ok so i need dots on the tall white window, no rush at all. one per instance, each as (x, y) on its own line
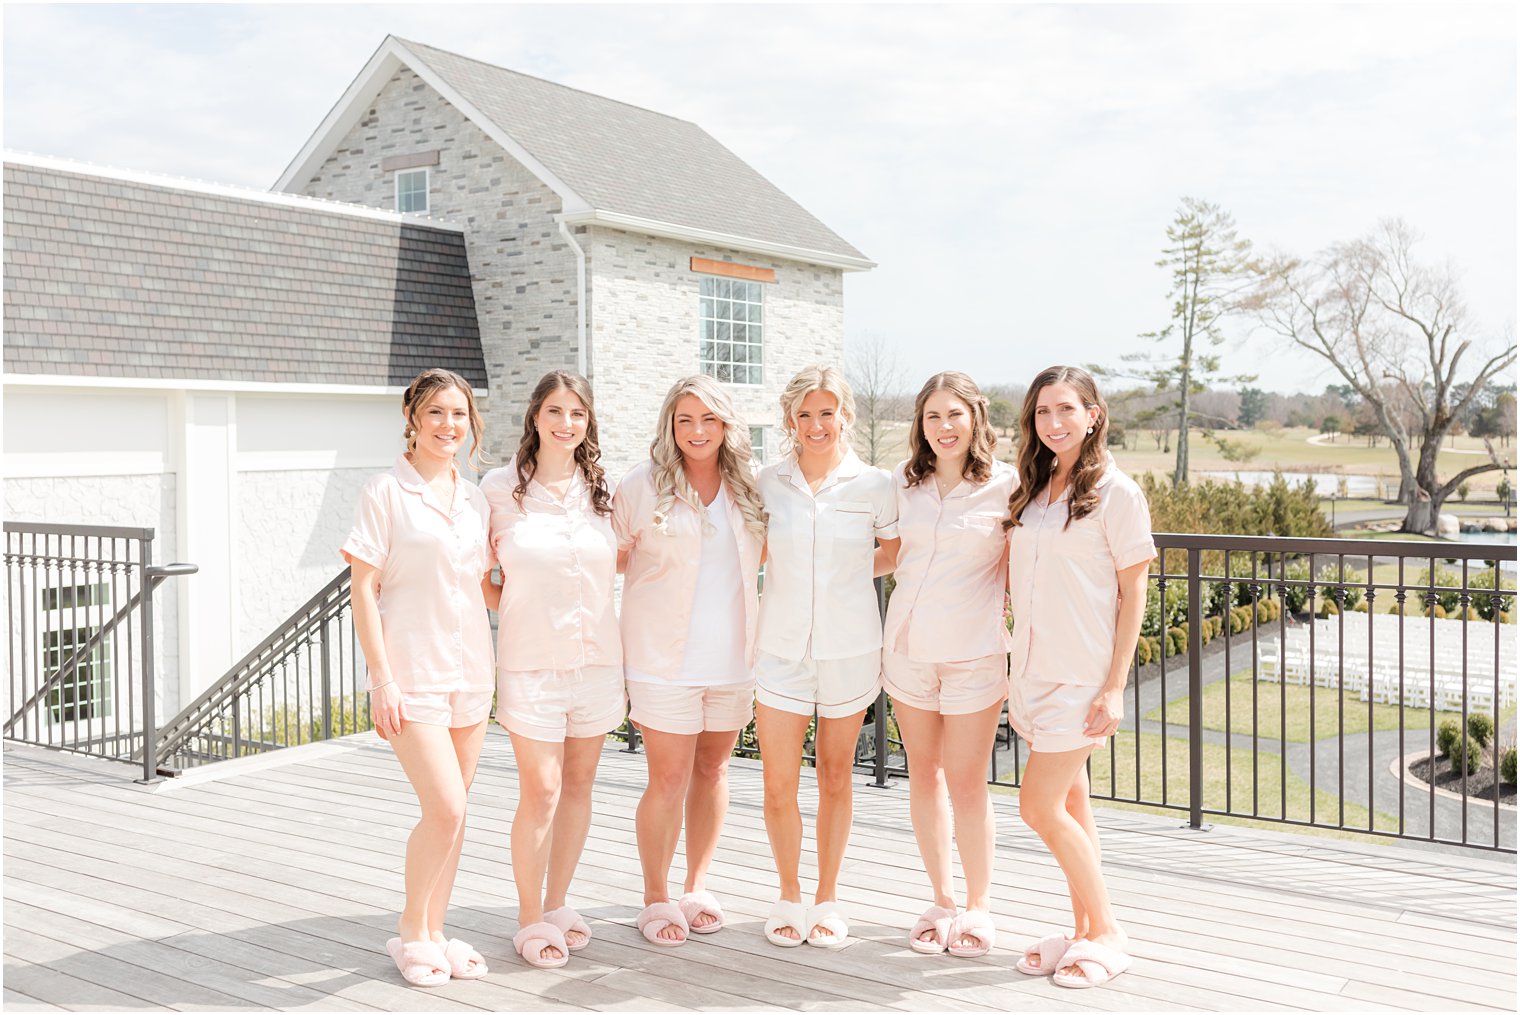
(731, 326)
(71, 616)
(412, 191)
(757, 443)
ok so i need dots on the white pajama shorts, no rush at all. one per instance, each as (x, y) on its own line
(833, 688)
(556, 705)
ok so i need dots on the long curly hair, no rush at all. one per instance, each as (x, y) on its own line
(588, 453)
(423, 389)
(735, 458)
(1037, 462)
(979, 451)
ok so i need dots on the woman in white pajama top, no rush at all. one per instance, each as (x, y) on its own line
(559, 658)
(1079, 549)
(820, 639)
(945, 657)
(690, 529)
(419, 558)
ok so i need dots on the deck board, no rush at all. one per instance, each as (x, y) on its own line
(275, 886)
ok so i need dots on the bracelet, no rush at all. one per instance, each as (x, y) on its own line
(378, 686)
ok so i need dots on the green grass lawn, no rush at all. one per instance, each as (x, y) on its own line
(1272, 791)
(1269, 711)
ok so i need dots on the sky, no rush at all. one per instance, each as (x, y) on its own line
(1011, 168)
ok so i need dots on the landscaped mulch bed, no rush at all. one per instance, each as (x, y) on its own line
(1480, 784)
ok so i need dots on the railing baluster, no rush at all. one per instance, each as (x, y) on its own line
(1195, 691)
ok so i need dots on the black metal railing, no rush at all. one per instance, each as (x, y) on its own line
(303, 683)
(80, 638)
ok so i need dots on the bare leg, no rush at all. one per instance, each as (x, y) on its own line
(706, 806)
(968, 745)
(572, 820)
(467, 741)
(657, 823)
(539, 766)
(928, 798)
(781, 735)
(1048, 781)
(835, 743)
(427, 757)
(1079, 806)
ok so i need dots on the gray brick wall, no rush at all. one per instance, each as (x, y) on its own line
(522, 269)
(642, 313)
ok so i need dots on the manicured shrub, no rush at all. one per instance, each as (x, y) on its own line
(1176, 641)
(1438, 611)
(1216, 626)
(1446, 736)
(1467, 755)
(1143, 651)
(1507, 766)
(1480, 726)
(1359, 608)
(1206, 632)
(1327, 607)
(1155, 644)
(1506, 617)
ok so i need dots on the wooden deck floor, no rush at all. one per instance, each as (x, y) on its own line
(275, 886)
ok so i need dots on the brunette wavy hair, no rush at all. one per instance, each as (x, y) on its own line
(735, 458)
(979, 457)
(1037, 462)
(588, 453)
(421, 392)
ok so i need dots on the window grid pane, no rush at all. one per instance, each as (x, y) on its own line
(731, 345)
(412, 191)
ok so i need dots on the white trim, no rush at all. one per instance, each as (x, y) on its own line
(306, 461)
(582, 354)
(66, 465)
(227, 190)
(195, 384)
(651, 227)
(391, 56)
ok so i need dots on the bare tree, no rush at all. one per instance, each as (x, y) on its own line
(1396, 330)
(876, 375)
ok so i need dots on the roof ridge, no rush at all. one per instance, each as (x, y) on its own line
(556, 84)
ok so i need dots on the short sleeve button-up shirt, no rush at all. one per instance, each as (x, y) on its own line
(1064, 581)
(558, 566)
(431, 558)
(947, 604)
(819, 597)
(661, 580)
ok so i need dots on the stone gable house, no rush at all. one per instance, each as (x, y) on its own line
(224, 365)
(618, 242)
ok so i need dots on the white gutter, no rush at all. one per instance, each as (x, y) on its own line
(651, 227)
(582, 354)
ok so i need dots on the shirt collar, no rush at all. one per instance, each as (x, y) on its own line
(848, 468)
(573, 492)
(412, 482)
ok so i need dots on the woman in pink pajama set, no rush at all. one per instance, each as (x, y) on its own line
(691, 529)
(419, 556)
(945, 655)
(1079, 548)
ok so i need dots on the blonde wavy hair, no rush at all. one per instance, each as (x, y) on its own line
(819, 377)
(735, 459)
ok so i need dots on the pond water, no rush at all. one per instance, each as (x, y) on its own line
(1506, 538)
(1325, 483)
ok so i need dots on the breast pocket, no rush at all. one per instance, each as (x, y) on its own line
(853, 520)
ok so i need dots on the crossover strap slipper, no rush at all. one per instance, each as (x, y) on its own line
(1099, 964)
(977, 925)
(786, 914)
(1048, 951)
(569, 922)
(656, 917)
(695, 904)
(421, 963)
(464, 961)
(536, 938)
(937, 919)
(828, 916)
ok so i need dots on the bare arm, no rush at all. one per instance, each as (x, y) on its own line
(491, 592)
(885, 561)
(385, 697)
(1108, 707)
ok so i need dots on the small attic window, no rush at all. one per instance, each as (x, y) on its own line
(412, 191)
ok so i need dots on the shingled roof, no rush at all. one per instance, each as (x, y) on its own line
(609, 162)
(109, 276)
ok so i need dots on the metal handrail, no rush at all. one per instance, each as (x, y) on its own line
(287, 637)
